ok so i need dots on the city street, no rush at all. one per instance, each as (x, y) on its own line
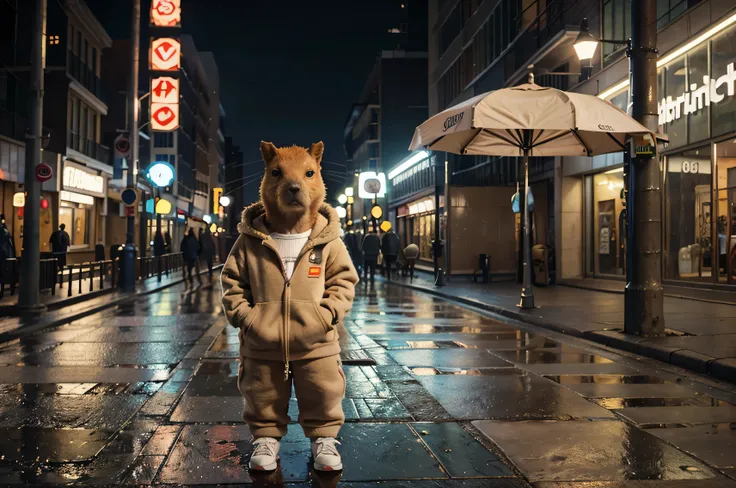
(437, 395)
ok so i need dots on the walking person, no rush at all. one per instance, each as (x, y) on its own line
(371, 248)
(207, 251)
(411, 253)
(167, 243)
(190, 253)
(7, 251)
(60, 246)
(390, 244)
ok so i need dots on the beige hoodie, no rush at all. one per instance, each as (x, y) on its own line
(282, 319)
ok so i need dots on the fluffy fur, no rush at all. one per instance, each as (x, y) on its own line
(292, 189)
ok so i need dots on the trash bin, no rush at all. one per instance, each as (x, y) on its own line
(540, 264)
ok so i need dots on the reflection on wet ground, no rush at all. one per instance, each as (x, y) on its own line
(147, 394)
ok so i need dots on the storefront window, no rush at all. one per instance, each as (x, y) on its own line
(689, 247)
(74, 217)
(726, 216)
(723, 57)
(608, 223)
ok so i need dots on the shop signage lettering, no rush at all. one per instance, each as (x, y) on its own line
(452, 121)
(691, 167)
(81, 180)
(712, 91)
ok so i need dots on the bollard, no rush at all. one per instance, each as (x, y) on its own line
(71, 269)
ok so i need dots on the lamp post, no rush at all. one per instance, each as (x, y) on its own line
(643, 304)
(437, 244)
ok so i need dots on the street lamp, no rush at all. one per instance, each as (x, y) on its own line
(341, 212)
(586, 44)
(342, 199)
(226, 200)
(349, 192)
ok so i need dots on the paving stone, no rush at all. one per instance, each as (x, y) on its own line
(709, 483)
(578, 369)
(542, 356)
(110, 354)
(598, 390)
(138, 334)
(379, 452)
(217, 454)
(78, 374)
(418, 401)
(715, 444)
(460, 454)
(508, 396)
(144, 470)
(458, 358)
(483, 483)
(387, 409)
(679, 415)
(70, 411)
(593, 451)
(27, 444)
(162, 440)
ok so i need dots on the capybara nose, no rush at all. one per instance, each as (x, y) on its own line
(294, 189)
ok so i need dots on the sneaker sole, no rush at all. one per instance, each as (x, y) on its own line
(327, 467)
(267, 467)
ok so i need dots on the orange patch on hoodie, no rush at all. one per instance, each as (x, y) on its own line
(314, 271)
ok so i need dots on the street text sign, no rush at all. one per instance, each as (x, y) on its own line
(165, 54)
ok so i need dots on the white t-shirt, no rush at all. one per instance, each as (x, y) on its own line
(289, 246)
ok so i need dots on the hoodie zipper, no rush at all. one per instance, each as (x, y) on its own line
(287, 299)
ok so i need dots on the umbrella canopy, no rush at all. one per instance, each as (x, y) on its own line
(543, 121)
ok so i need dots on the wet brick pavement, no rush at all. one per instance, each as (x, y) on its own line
(437, 396)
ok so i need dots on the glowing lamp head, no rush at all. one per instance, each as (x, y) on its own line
(226, 200)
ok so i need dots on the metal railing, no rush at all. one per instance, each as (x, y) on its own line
(88, 147)
(10, 275)
(159, 266)
(87, 277)
(85, 75)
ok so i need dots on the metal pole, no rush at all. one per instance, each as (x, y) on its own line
(127, 261)
(520, 234)
(28, 299)
(439, 177)
(527, 293)
(644, 314)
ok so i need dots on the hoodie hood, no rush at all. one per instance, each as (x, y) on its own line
(326, 229)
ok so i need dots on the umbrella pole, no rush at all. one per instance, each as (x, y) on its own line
(527, 293)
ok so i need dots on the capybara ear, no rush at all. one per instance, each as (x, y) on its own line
(268, 151)
(316, 150)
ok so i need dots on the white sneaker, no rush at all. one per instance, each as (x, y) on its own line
(326, 457)
(265, 454)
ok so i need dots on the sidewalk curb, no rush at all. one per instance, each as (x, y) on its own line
(723, 369)
(125, 297)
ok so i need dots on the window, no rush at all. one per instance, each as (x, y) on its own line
(668, 10)
(689, 247)
(608, 223)
(163, 139)
(616, 23)
(74, 217)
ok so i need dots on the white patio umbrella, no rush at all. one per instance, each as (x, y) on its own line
(528, 120)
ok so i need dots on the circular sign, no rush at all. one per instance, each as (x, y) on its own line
(372, 185)
(43, 172)
(122, 146)
(161, 174)
(376, 212)
(129, 196)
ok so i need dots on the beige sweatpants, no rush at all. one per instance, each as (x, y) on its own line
(320, 388)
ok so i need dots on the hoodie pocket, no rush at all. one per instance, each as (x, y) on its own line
(263, 332)
(309, 327)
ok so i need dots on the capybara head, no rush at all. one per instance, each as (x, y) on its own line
(292, 189)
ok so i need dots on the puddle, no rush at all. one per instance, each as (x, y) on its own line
(464, 371)
(606, 379)
(618, 403)
(552, 357)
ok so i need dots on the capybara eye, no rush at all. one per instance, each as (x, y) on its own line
(310, 173)
(275, 173)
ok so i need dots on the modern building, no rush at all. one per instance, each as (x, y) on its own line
(379, 127)
(478, 46)
(73, 108)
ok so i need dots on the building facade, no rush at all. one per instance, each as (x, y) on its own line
(477, 46)
(697, 110)
(73, 109)
(379, 127)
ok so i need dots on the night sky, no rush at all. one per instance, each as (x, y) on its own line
(289, 69)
